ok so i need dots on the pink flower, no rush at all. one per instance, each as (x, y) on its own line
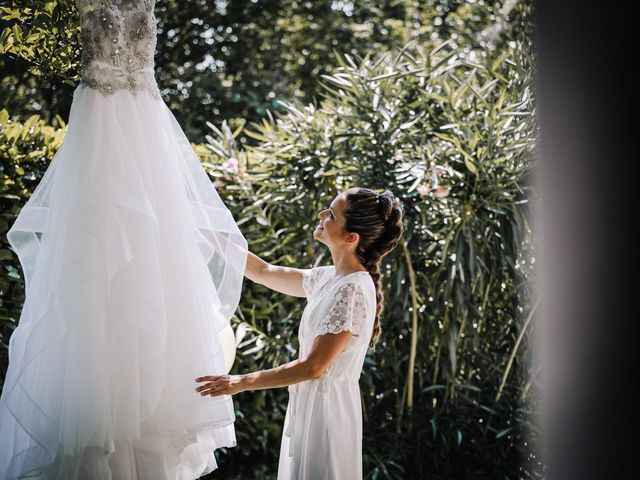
(217, 184)
(441, 192)
(231, 165)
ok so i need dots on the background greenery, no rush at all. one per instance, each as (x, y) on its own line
(289, 103)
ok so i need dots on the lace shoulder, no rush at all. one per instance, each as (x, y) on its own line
(347, 311)
(311, 277)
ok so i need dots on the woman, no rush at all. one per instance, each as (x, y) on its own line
(323, 426)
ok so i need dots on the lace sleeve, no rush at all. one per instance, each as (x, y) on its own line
(347, 311)
(309, 277)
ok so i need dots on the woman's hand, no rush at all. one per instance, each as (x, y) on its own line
(217, 385)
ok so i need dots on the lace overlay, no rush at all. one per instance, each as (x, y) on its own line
(307, 281)
(118, 44)
(347, 312)
(310, 278)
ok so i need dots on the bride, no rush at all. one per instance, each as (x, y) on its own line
(322, 436)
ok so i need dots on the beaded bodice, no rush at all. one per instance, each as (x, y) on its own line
(118, 44)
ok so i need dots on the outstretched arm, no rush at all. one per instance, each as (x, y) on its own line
(324, 351)
(281, 279)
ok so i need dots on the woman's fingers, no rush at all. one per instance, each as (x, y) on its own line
(208, 378)
(214, 391)
(207, 386)
(213, 387)
(216, 385)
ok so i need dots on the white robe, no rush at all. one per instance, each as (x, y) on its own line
(322, 436)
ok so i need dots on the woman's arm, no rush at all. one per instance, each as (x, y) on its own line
(281, 279)
(324, 351)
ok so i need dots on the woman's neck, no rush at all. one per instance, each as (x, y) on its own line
(346, 263)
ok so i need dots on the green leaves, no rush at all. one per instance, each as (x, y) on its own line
(44, 35)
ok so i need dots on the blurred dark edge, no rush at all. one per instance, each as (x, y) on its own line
(588, 240)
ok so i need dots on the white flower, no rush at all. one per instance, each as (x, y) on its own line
(424, 190)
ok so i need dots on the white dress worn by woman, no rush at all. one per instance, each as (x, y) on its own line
(322, 438)
(132, 266)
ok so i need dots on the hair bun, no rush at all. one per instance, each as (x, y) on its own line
(389, 205)
(383, 200)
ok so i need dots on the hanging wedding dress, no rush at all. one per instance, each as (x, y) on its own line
(132, 267)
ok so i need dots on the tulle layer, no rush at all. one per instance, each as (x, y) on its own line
(132, 266)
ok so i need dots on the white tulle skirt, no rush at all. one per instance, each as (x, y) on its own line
(132, 266)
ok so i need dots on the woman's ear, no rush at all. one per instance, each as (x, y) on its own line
(352, 238)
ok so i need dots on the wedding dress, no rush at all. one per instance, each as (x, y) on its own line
(322, 438)
(132, 267)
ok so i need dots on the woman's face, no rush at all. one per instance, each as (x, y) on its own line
(330, 229)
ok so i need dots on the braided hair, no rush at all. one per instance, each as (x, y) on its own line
(377, 219)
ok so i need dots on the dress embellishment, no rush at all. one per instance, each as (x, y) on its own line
(118, 46)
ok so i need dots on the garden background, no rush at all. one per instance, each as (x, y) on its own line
(288, 103)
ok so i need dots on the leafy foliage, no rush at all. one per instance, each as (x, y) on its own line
(42, 34)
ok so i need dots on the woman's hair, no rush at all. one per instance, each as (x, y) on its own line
(377, 218)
